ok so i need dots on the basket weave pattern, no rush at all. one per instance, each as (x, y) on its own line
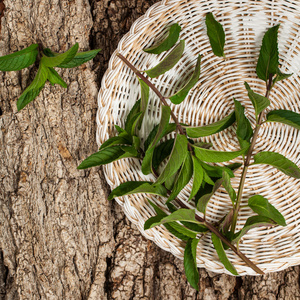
(273, 248)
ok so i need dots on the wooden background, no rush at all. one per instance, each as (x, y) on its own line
(59, 236)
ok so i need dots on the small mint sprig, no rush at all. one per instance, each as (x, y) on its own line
(49, 60)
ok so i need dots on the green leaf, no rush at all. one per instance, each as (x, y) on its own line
(49, 53)
(170, 181)
(104, 156)
(262, 207)
(183, 177)
(217, 156)
(169, 62)
(121, 139)
(132, 117)
(207, 179)
(259, 102)
(175, 228)
(180, 215)
(228, 187)
(176, 159)
(205, 193)
(195, 227)
(215, 34)
(163, 126)
(32, 91)
(252, 222)
(196, 132)
(280, 76)
(278, 161)
(59, 59)
(19, 60)
(54, 78)
(137, 187)
(168, 42)
(129, 150)
(222, 254)
(244, 130)
(79, 59)
(144, 100)
(161, 152)
(183, 231)
(215, 171)
(132, 124)
(136, 142)
(119, 129)
(198, 175)
(285, 117)
(168, 129)
(268, 57)
(190, 265)
(181, 94)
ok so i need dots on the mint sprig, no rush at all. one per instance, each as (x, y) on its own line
(177, 159)
(28, 56)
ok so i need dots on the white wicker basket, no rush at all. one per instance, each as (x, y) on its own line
(245, 22)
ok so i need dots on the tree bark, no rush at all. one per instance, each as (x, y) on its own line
(59, 236)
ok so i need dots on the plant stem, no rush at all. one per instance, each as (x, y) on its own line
(153, 87)
(247, 161)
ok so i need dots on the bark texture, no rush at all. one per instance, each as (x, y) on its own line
(59, 236)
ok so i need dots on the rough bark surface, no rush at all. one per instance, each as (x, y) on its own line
(59, 236)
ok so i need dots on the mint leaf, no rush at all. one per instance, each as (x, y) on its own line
(168, 42)
(252, 222)
(285, 117)
(144, 100)
(190, 264)
(161, 129)
(215, 34)
(176, 158)
(259, 102)
(137, 187)
(217, 156)
(264, 208)
(206, 130)
(195, 227)
(32, 91)
(175, 228)
(198, 175)
(79, 59)
(244, 130)
(169, 62)
(182, 230)
(180, 215)
(228, 187)
(183, 177)
(168, 129)
(135, 110)
(59, 59)
(19, 60)
(278, 161)
(280, 76)
(222, 254)
(268, 57)
(181, 94)
(105, 156)
(161, 152)
(122, 139)
(54, 78)
(205, 193)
